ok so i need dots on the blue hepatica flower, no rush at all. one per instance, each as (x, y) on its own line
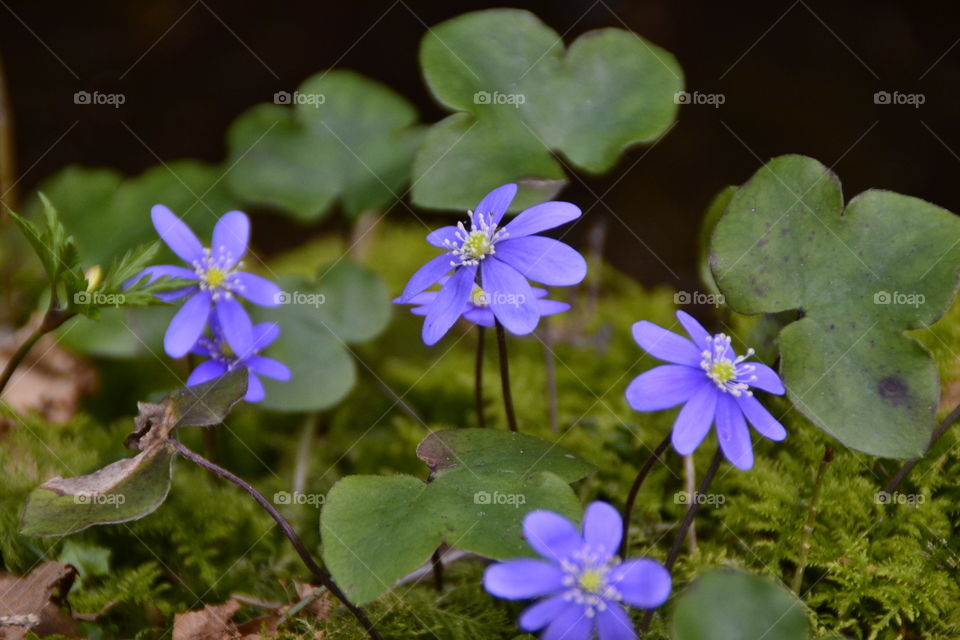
(583, 584)
(712, 383)
(224, 358)
(499, 259)
(477, 307)
(218, 281)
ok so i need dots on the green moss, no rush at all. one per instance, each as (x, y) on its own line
(876, 571)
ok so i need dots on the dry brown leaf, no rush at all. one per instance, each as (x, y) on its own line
(321, 606)
(50, 381)
(215, 622)
(26, 603)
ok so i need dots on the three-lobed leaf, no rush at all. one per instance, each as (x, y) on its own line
(482, 483)
(346, 137)
(858, 278)
(520, 98)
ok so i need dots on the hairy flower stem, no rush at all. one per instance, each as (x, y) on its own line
(910, 464)
(478, 378)
(635, 489)
(319, 574)
(52, 319)
(812, 509)
(689, 487)
(685, 524)
(505, 377)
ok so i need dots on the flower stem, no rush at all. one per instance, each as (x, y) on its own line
(635, 489)
(51, 320)
(689, 487)
(685, 524)
(910, 464)
(811, 520)
(319, 574)
(437, 562)
(505, 377)
(478, 378)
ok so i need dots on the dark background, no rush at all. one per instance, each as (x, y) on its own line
(797, 78)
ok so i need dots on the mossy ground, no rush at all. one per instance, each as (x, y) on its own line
(875, 571)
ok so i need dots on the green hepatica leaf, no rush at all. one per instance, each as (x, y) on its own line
(347, 303)
(345, 136)
(483, 482)
(109, 214)
(131, 488)
(859, 277)
(523, 97)
(730, 605)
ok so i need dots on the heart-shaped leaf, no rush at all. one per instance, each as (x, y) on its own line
(525, 98)
(131, 488)
(482, 484)
(345, 137)
(858, 278)
(347, 303)
(731, 605)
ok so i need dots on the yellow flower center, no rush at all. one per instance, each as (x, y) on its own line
(478, 297)
(477, 245)
(216, 277)
(723, 371)
(591, 581)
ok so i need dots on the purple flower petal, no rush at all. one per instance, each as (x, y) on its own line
(257, 290)
(522, 579)
(602, 528)
(448, 305)
(664, 387)
(643, 583)
(541, 217)
(543, 260)
(496, 203)
(613, 623)
(767, 379)
(551, 307)
(156, 272)
(422, 298)
(694, 420)
(480, 316)
(571, 624)
(733, 434)
(265, 334)
(439, 237)
(427, 275)
(765, 424)
(510, 297)
(695, 330)
(255, 391)
(539, 615)
(551, 535)
(420, 311)
(230, 237)
(187, 326)
(176, 234)
(205, 372)
(268, 367)
(236, 326)
(176, 294)
(666, 345)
